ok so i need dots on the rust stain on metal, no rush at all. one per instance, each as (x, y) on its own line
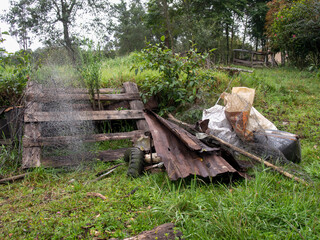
(187, 138)
(180, 152)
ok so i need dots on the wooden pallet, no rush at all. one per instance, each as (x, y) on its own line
(37, 96)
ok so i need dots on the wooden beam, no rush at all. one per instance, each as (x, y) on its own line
(31, 156)
(131, 87)
(54, 97)
(83, 116)
(76, 159)
(111, 155)
(119, 97)
(83, 90)
(65, 140)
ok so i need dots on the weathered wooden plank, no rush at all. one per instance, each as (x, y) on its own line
(248, 63)
(83, 90)
(64, 140)
(119, 97)
(83, 116)
(111, 155)
(53, 97)
(72, 160)
(131, 87)
(63, 161)
(31, 156)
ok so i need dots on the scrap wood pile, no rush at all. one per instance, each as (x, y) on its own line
(212, 147)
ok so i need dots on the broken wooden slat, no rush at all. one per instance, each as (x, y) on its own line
(83, 116)
(131, 87)
(64, 140)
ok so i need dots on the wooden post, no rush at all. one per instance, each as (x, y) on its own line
(31, 155)
(131, 87)
(251, 59)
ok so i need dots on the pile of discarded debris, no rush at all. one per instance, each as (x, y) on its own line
(211, 148)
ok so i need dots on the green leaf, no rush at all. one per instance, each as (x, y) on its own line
(163, 38)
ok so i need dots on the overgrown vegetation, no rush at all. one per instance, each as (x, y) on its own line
(292, 27)
(54, 203)
(14, 74)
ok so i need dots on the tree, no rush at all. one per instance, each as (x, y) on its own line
(295, 28)
(131, 30)
(160, 18)
(257, 10)
(54, 20)
(220, 17)
(19, 20)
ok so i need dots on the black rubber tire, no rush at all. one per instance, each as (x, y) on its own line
(136, 162)
(127, 155)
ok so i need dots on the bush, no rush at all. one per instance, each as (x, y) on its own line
(177, 83)
(14, 74)
(295, 29)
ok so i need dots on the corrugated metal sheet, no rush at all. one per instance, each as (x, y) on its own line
(182, 153)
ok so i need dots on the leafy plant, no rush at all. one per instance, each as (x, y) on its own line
(90, 70)
(294, 28)
(14, 74)
(178, 82)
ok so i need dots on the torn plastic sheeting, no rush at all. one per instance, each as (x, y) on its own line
(179, 160)
(220, 126)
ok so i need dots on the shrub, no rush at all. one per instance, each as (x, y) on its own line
(177, 83)
(14, 74)
(295, 29)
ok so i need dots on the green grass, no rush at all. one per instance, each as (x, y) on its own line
(53, 203)
(119, 70)
(48, 205)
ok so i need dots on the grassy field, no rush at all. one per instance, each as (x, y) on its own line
(53, 203)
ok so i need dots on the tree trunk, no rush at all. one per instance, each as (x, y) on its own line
(167, 20)
(231, 43)
(67, 40)
(244, 32)
(227, 39)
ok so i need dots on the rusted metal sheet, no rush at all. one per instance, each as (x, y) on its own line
(187, 138)
(183, 157)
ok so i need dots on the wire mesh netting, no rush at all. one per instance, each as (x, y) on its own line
(60, 98)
